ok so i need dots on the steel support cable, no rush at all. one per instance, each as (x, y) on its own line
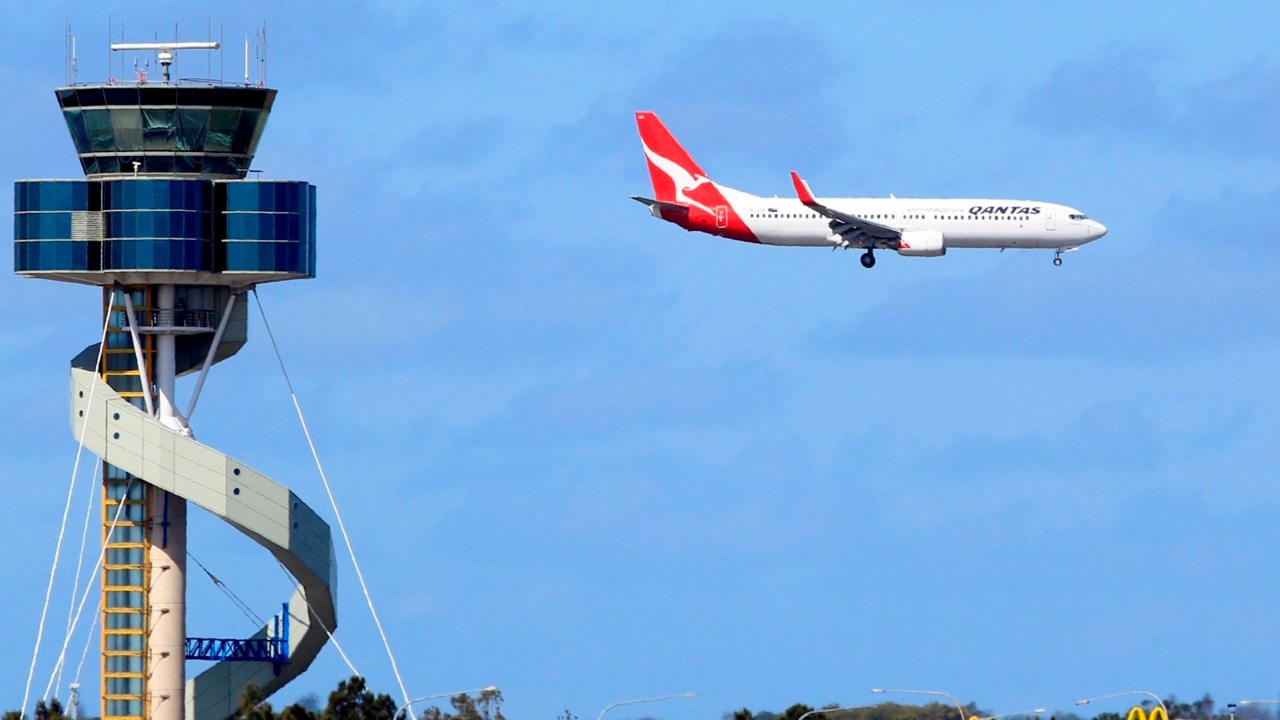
(66, 510)
(84, 542)
(316, 616)
(88, 641)
(337, 514)
(85, 597)
(241, 605)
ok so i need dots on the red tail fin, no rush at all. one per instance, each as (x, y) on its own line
(670, 167)
(685, 195)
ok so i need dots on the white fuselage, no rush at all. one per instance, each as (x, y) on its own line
(964, 222)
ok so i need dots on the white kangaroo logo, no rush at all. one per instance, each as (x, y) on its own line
(683, 180)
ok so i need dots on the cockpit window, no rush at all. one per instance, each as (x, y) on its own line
(1079, 217)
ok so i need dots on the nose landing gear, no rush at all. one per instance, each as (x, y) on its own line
(1057, 258)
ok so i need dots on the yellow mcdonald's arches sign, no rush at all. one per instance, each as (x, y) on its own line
(1157, 713)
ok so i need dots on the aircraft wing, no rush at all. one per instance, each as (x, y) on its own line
(853, 222)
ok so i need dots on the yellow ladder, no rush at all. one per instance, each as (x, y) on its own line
(125, 575)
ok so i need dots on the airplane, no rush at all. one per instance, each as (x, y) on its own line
(914, 227)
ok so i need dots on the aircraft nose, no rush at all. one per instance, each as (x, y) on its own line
(1098, 229)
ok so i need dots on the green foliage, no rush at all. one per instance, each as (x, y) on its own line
(485, 706)
(795, 711)
(253, 705)
(352, 700)
(52, 711)
(883, 711)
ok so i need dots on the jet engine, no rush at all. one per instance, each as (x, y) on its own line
(922, 243)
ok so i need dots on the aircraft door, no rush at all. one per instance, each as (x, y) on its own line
(1050, 223)
(722, 216)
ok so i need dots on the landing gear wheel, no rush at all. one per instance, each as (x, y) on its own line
(1057, 262)
(868, 260)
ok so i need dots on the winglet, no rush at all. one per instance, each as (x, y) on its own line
(802, 190)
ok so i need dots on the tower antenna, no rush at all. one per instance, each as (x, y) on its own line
(164, 51)
(262, 71)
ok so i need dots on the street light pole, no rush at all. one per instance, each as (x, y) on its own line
(938, 693)
(607, 708)
(483, 690)
(1148, 693)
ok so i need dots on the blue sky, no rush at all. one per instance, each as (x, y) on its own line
(589, 457)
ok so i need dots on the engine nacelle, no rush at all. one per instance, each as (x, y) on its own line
(922, 243)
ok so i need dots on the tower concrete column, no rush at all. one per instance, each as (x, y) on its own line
(167, 624)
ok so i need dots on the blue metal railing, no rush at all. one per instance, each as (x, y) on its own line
(274, 649)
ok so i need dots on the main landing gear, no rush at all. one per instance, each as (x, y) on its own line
(868, 259)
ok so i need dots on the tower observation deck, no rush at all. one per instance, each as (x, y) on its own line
(166, 223)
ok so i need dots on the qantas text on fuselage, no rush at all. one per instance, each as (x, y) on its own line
(915, 227)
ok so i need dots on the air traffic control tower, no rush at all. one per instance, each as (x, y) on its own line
(166, 223)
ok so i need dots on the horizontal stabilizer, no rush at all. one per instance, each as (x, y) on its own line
(657, 206)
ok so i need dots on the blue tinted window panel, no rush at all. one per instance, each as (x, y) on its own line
(127, 126)
(97, 125)
(159, 253)
(157, 193)
(247, 132)
(160, 224)
(54, 226)
(186, 163)
(143, 225)
(236, 223)
(158, 131)
(242, 196)
(42, 257)
(75, 124)
(238, 257)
